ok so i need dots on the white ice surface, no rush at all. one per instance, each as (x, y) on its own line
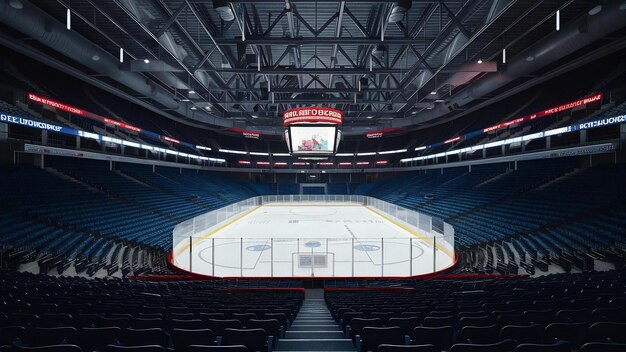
(354, 239)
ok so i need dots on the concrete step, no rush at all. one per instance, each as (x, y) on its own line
(317, 311)
(316, 334)
(314, 322)
(316, 316)
(297, 327)
(315, 345)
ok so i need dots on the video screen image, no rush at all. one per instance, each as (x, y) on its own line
(311, 140)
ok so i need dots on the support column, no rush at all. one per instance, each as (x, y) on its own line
(548, 142)
(44, 137)
(583, 137)
(4, 131)
(40, 161)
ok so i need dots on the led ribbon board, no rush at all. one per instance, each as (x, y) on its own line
(312, 115)
(246, 133)
(380, 133)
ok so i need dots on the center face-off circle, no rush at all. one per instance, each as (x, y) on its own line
(312, 244)
(313, 211)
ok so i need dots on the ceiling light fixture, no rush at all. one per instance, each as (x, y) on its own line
(147, 61)
(595, 10)
(68, 19)
(191, 91)
(504, 56)
(16, 4)
(121, 55)
(433, 92)
(194, 108)
(480, 61)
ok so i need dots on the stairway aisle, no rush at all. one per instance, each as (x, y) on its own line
(314, 328)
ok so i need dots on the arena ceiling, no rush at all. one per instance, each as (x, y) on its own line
(241, 63)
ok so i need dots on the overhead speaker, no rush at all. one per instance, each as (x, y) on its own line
(379, 51)
(264, 93)
(399, 10)
(223, 10)
(453, 107)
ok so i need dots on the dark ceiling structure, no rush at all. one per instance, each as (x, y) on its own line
(241, 63)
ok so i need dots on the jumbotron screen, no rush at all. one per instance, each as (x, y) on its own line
(312, 139)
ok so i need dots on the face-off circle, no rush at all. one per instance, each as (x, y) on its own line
(367, 247)
(258, 247)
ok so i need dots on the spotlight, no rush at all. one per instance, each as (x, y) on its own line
(433, 92)
(191, 91)
(480, 61)
(146, 61)
(194, 108)
(223, 10)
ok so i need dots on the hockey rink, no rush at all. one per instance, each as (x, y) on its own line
(304, 240)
